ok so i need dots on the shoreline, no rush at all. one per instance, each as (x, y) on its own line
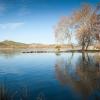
(73, 51)
(49, 50)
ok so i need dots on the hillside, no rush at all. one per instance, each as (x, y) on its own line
(37, 46)
(12, 44)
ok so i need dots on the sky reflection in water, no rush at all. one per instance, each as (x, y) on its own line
(48, 76)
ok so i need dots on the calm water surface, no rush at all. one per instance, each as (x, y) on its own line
(49, 76)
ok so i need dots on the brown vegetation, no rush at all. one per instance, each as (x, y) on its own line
(84, 24)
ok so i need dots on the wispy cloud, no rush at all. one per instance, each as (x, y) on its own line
(24, 8)
(24, 11)
(11, 26)
(2, 8)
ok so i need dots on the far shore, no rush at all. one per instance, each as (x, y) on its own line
(91, 51)
(49, 50)
(12, 46)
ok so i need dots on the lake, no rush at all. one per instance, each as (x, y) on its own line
(49, 76)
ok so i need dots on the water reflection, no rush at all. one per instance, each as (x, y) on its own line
(83, 76)
(18, 94)
(9, 53)
(50, 77)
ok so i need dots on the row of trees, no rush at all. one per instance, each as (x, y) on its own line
(84, 24)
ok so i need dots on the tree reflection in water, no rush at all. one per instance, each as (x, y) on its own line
(85, 78)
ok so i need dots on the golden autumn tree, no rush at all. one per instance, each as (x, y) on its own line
(83, 24)
(63, 30)
(87, 29)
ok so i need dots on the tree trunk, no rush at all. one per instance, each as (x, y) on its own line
(83, 45)
(82, 48)
(87, 45)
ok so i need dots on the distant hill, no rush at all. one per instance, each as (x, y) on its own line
(12, 44)
(37, 46)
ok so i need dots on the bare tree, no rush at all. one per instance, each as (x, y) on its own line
(62, 30)
(83, 22)
(87, 30)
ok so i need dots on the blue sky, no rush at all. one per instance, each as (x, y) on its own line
(32, 21)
